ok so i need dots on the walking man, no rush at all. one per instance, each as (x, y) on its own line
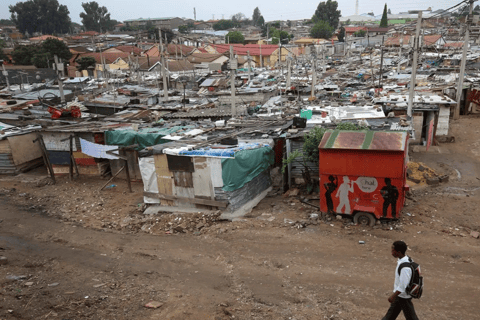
(400, 300)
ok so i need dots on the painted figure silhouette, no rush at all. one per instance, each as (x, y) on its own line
(330, 187)
(390, 196)
(342, 193)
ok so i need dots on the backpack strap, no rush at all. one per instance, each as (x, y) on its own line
(406, 264)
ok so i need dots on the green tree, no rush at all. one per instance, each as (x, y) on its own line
(261, 21)
(8, 22)
(52, 47)
(279, 35)
(41, 55)
(256, 16)
(341, 35)
(96, 18)
(183, 29)
(44, 16)
(360, 33)
(3, 56)
(384, 21)
(224, 25)
(327, 11)
(235, 37)
(85, 62)
(322, 30)
(389, 11)
(23, 55)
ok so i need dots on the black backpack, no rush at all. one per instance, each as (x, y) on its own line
(415, 287)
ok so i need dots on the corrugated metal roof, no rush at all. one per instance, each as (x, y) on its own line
(364, 140)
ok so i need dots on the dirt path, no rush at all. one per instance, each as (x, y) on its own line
(62, 267)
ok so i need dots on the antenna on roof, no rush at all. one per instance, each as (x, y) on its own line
(194, 14)
(356, 8)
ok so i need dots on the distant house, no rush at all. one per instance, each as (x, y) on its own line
(104, 61)
(89, 33)
(349, 31)
(118, 27)
(429, 40)
(162, 23)
(129, 49)
(264, 55)
(376, 31)
(202, 26)
(174, 50)
(43, 38)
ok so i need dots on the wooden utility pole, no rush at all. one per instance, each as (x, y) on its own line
(289, 73)
(400, 55)
(456, 113)
(60, 82)
(5, 73)
(232, 81)
(248, 63)
(314, 77)
(164, 73)
(414, 67)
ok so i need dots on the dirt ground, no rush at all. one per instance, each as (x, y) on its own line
(77, 253)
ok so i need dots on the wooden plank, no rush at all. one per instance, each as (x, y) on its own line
(5, 147)
(214, 203)
(24, 149)
(164, 178)
(202, 181)
(184, 186)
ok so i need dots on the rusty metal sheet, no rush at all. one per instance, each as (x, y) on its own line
(394, 141)
(364, 140)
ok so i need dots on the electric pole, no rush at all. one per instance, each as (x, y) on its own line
(60, 82)
(414, 67)
(314, 77)
(232, 81)
(248, 63)
(456, 113)
(5, 73)
(164, 73)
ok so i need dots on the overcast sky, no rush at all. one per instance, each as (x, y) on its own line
(206, 9)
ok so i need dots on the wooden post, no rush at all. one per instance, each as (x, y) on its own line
(70, 167)
(129, 183)
(45, 156)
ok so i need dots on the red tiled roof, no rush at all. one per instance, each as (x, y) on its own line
(45, 37)
(240, 49)
(89, 33)
(129, 49)
(109, 57)
(354, 29)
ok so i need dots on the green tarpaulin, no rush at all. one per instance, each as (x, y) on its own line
(144, 137)
(246, 165)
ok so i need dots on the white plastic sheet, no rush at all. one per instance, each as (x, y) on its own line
(149, 178)
(97, 150)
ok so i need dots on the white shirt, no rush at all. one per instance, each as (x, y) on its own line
(402, 280)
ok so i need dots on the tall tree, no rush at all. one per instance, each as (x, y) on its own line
(390, 11)
(322, 30)
(96, 18)
(256, 16)
(384, 21)
(235, 37)
(261, 21)
(341, 34)
(44, 16)
(237, 17)
(327, 11)
(41, 55)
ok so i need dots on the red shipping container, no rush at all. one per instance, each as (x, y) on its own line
(363, 174)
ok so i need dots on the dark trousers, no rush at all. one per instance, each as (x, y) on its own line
(398, 305)
(394, 208)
